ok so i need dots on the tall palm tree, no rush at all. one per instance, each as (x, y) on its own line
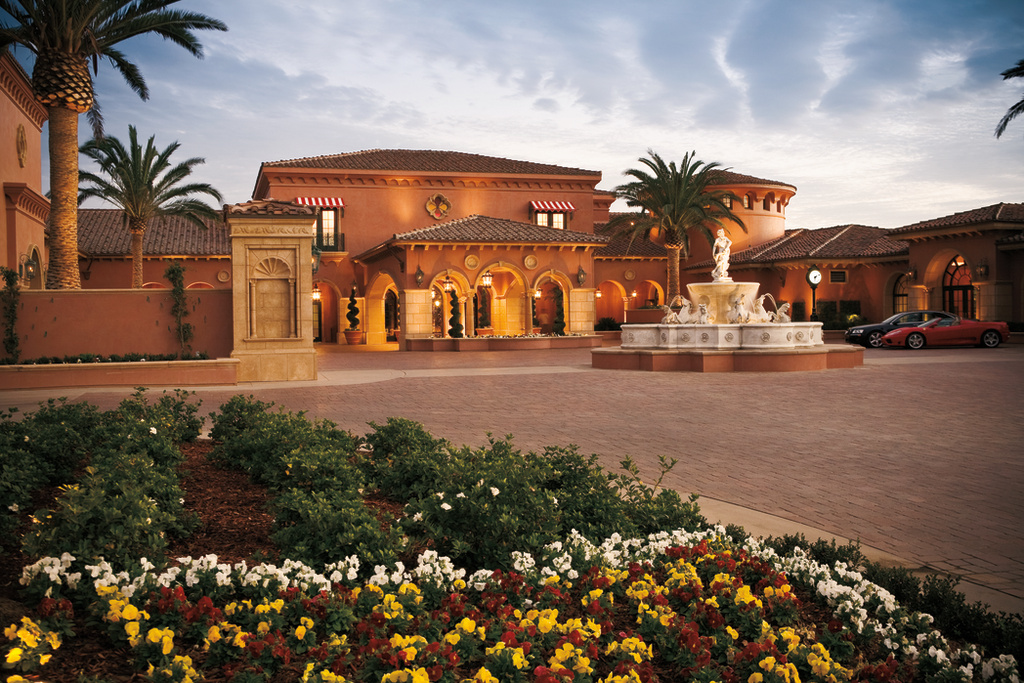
(673, 201)
(1015, 110)
(144, 185)
(64, 35)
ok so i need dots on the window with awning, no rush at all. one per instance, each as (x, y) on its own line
(551, 214)
(328, 234)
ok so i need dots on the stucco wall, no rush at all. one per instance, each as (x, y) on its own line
(119, 321)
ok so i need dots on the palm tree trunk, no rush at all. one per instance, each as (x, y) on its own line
(138, 230)
(673, 272)
(63, 270)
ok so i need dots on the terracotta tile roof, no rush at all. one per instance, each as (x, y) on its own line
(826, 244)
(723, 177)
(102, 232)
(429, 161)
(620, 246)
(487, 229)
(270, 207)
(996, 213)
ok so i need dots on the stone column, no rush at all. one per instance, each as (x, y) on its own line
(272, 285)
(582, 311)
(417, 314)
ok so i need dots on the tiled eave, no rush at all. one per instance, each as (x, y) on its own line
(955, 232)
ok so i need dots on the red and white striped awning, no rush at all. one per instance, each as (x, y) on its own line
(320, 201)
(552, 206)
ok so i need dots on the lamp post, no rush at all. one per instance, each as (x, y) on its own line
(814, 279)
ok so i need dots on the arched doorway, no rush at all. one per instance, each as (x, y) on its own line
(392, 315)
(957, 288)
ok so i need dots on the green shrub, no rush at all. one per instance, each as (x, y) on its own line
(172, 414)
(586, 501)
(651, 510)
(404, 460)
(281, 444)
(239, 414)
(320, 527)
(607, 325)
(124, 507)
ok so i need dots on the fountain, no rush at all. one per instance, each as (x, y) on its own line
(725, 326)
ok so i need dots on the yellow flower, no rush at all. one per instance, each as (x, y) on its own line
(755, 678)
(11, 632)
(14, 655)
(43, 659)
(130, 612)
(768, 663)
(733, 633)
(484, 676)
(132, 629)
(300, 631)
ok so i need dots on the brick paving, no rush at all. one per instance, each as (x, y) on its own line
(916, 454)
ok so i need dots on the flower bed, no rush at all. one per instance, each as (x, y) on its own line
(529, 597)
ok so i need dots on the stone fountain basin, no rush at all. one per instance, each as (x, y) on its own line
(733, 337)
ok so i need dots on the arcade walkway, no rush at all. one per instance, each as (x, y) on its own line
(916, 454)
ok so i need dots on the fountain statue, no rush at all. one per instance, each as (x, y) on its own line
(720, 316)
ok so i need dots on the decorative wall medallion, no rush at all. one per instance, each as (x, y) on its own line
(704, 336)
(799, 336)
(438, 205)
(21, 143)
(765, 337)
(224, 276)
(630, 274)
(686, 337)
(472, 261)
(629, 337)
(789, 336)
(664, 336)
(728, 336)
(810, 335)
(530, 261)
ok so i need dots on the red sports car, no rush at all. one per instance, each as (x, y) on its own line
(949, 332)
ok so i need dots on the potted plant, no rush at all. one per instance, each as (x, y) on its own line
(353, 335)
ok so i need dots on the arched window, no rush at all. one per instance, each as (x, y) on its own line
(957, 289)
(900, 295)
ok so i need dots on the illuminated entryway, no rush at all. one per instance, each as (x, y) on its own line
(958, 289)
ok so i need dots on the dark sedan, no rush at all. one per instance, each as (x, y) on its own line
(871, 335)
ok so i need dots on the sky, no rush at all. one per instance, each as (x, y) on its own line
(880, 112)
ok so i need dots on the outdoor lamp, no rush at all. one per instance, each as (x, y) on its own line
(814, 279)
(316, 258)
(581, 276)
(448, 284)
(597, 294)
(536, 294)
(487, 279)
(316, 292)
(27, 267)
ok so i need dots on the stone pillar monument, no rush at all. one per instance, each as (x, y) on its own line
(272, 284)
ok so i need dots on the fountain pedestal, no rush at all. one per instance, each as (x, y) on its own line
(719, 296)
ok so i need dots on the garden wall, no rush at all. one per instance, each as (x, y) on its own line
(120, 321)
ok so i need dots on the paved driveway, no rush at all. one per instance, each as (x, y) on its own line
(917, 454)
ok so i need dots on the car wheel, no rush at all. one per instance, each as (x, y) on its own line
(915, 340)
(875, 340)
(990, 339)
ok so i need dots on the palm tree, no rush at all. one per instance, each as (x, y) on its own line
(673, 201)
(64, 35)
(1015, 110)
(144, 185)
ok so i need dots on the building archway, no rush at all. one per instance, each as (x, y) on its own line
(381, 323)
(546, 291)
(610, 300)
(504, 301)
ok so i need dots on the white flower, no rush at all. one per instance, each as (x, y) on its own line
(446, 506)
(418, 517)
(460, 495)
(494, 491)
(13, 507)
(152, 430)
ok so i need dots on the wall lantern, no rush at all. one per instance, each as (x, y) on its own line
(316, 292)
(316, 258)
(27, 267)
(487, 279)
(448, 284)
(597, 294)
(633, 294)
(912, 273)
(982, 269)
(536, 293)
(581, 276)
(419, 276)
